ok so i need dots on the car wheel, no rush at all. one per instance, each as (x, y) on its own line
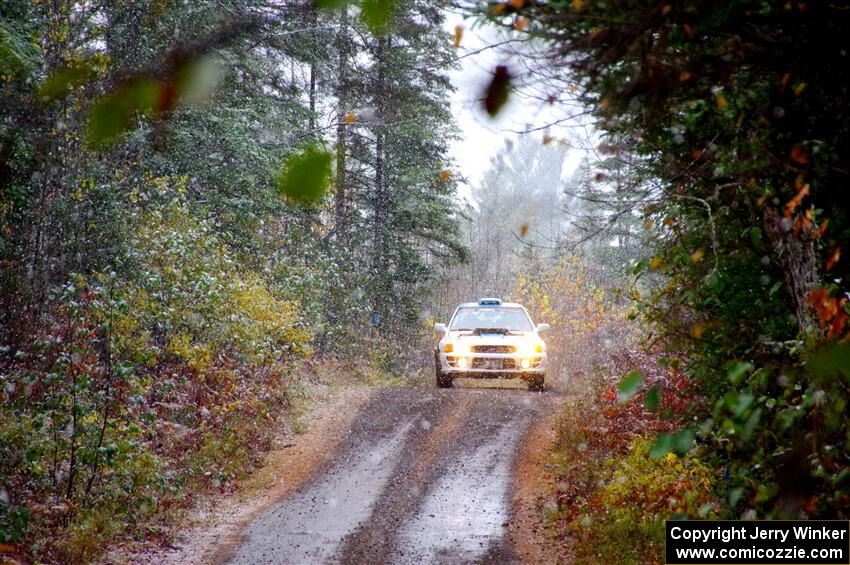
(536, 382)
(443, 380)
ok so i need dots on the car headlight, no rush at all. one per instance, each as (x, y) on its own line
(456, 348)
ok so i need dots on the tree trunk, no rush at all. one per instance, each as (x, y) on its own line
(798, 259)
(380, 205)
(340, 195)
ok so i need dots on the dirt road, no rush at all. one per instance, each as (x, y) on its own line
(424, 476)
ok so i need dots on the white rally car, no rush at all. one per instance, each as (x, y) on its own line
(488, 339)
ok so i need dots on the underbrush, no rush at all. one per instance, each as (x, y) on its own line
(131, 395)
(613, 492)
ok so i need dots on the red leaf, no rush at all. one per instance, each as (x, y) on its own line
(799, 155)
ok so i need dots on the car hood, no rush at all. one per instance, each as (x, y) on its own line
(491, 339)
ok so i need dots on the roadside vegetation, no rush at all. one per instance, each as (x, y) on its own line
(722, 150)
(199, 205)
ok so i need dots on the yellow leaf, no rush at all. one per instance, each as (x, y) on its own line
(698, 330)
(655, 262)
(458, 35)
(798, 90)
(547, 139)
(350, 117)
(498, 9)
(577, 4)
(697, 256)
(523, 230)
(684, 76)
(721, 101)
(444, 175)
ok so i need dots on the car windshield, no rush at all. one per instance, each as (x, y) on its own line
(476, 317)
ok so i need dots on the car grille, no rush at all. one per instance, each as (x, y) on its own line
(493, 348)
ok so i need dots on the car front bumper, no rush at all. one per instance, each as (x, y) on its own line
(492, 365)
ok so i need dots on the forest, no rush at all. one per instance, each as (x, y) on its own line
(204, 203)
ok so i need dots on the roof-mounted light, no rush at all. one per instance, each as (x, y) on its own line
(489, 301)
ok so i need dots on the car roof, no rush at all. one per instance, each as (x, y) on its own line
(502, 305)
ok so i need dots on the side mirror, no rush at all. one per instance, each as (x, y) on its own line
(543, 328)
(440, 329)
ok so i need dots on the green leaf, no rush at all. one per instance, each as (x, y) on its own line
(682, 442)
(735, 496)
(628, 386)
(662, 446)
(113, 114)
(62, 80)
(307, 176)
(705, 509)
(678, 442)
(830, 361)
(653, 398)
(751, 424)
(330, 4)
(744, 401)
(736, 371)
(377, 14)
(199, 79)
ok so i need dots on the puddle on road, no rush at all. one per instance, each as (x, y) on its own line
(309, 526)
(465, 513)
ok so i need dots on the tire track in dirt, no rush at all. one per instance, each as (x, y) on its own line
(426, 476)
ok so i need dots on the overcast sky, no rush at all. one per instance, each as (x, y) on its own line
(483, 137)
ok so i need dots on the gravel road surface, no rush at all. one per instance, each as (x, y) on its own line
(423, 476)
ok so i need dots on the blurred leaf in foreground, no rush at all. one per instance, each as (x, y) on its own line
(497, 91)
(330, 4)
(831, 361)
(191, 81)
(377, 14)
(737, 371)
(677, 442)
(113, 114)
(629, 386)
(653, 398)
(63, 79)
(305, 177)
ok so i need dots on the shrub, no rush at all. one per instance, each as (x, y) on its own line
(138, 391)
(623, 521)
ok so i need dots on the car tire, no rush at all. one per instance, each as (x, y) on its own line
(443, 380)
(536, 383)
